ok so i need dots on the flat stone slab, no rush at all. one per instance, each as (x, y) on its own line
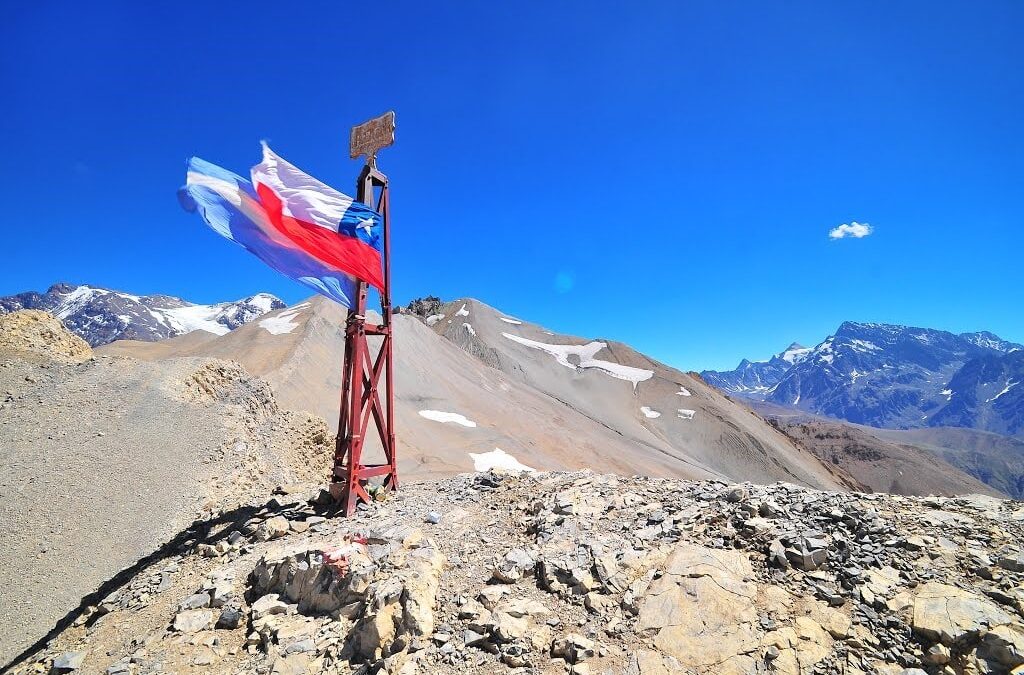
(948, 614)
(702, 610)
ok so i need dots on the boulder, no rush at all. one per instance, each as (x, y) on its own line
(272, 528)
(400, 608)
(507, 628)
(1013, 562)
(193, 620)
(195, 601)
(490, 595)
(68, 661)
(268, 605)
(318, 581)
(573, 648)
(797, 648)
(230, 618)
(1003, 647)
(735, 493)
(949, 615)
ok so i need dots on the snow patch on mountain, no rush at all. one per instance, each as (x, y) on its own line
(864, 346)
(1006, 390)
(190, 318)
(584, 355)
(795, 353)
(284, 322)
(497, 459)
(445, 417)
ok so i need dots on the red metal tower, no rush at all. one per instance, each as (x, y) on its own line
(365, 373)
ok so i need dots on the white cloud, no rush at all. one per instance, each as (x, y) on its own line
(854, 229)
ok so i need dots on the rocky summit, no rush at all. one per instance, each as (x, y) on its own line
(571, 573)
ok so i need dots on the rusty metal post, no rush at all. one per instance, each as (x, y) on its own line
(362, 374)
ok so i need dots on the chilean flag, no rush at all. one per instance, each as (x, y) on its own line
(294, 223)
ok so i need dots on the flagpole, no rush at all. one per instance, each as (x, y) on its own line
(362, 372)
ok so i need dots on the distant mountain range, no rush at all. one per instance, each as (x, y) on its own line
(755, 379)
(896, 377)
(464, 365)
(101, 316)
(475, 385)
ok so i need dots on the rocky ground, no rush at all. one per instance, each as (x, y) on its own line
(36, 333)
(105, 459)
(572, 572)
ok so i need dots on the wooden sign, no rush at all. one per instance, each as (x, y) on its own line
(369, 137)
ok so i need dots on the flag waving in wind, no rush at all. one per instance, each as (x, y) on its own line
(301, 227)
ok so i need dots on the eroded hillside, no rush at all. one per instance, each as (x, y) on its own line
(108, 458)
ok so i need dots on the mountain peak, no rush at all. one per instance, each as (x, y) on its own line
(61, 287)
(861, 327)
(988, 340)
(101, 315)
(794, 353)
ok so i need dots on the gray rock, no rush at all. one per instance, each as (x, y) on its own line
(521, 559)
(230, 618)
(769, 509)
(193, 620)
(69, 661)
(736, 493)
(471, 637)
(1014, 563)
(272, 528)
(221, 594)
(506, 573)
(808, 554)
(195, 601)
(267, 605)
(573, 648)
(301, 647)
(777, 555)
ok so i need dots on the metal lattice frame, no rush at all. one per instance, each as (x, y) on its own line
(364, 374)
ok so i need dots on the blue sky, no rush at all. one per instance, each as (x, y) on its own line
(664, 174)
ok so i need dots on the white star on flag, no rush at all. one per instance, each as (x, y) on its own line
(365, 224)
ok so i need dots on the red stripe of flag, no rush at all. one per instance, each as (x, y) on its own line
(345, 253)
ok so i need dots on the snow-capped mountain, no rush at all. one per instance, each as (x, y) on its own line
(987, 393)
(896, 376)
(100, 315)
(755, 379)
